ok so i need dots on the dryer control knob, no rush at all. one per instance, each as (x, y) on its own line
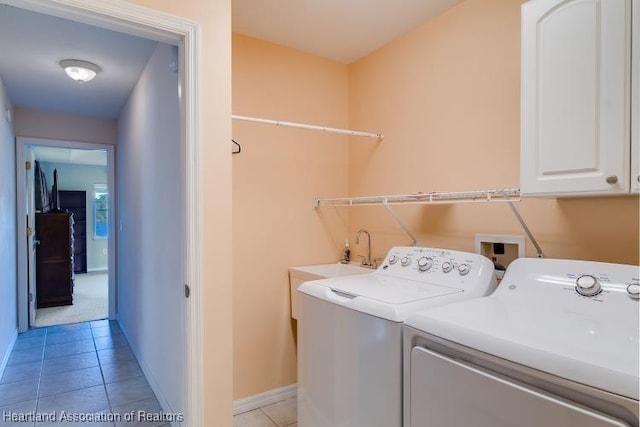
(393, 259)
(464, 269)
(405, 261)
(634, 290)
(425, 263)
(588, 286)
(447, 266)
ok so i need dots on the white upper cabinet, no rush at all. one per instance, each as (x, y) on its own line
(576, 95)
(635, 100)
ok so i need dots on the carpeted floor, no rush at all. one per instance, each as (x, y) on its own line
(90, 302)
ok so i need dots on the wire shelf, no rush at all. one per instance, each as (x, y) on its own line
(494, 195)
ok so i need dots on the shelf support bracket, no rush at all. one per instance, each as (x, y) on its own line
(401, 224)
(526, 228)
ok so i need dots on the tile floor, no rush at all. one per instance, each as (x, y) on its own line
(84, 368)
(281, 414)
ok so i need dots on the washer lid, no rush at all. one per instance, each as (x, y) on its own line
(381, 296)
(384, 289)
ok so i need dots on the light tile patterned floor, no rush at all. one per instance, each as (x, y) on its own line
(281, 414)
(83, 368)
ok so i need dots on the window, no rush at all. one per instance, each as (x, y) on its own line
(100, 211)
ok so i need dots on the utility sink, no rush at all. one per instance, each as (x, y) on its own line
(299, 275)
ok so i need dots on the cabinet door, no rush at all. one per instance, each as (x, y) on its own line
(575, 97)
(635, 100)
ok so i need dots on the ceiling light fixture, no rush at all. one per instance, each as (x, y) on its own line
(80, 71)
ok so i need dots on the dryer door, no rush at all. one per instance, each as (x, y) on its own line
(448, 393)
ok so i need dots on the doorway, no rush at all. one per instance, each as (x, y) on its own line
(133, 19)
(81, 189)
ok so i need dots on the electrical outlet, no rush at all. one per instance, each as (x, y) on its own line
(500, 248)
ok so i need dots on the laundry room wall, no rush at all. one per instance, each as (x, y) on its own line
(447, 98)
(65, 127)
(8, 235)
(275, 177)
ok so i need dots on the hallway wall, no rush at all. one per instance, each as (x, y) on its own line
(65, 127)
(8, 236)
(150, 218)
(214, 199)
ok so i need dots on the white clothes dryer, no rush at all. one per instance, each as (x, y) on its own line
(555, 345)
(350, 332)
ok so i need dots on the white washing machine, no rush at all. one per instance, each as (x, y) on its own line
(555, 345)
(350, 332)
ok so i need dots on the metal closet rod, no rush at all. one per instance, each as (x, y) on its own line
(508, 195)
(378, 136)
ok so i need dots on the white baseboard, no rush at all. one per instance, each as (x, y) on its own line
(7, 354)
(97, 269)
(267, 398)
(153, 383)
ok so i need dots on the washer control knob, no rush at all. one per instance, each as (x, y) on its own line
(447, 266)
(464, 269)
(588, 286)
(425, 263)
(405, 261)
(393, 259)
(634, 290)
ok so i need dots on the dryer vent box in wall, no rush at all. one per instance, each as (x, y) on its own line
(500, 248)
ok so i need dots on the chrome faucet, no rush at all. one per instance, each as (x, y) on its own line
(366, 261)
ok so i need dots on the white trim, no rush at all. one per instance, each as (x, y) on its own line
(115, 15)
(5, 358)
(21, 245)
(23, 285)
(148, 373)
(141, 21)
(263, 399)
(189, 76)
(98, 270)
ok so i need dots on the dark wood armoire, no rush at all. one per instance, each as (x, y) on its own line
(76, 203)
(54, 259)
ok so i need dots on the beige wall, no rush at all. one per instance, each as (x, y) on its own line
(447, 98)
(64, 127)
(275, 178)
(215, 197)
(447, 91)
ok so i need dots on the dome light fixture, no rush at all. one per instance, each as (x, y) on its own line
(80, 71)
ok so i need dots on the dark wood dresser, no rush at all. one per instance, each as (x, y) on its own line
(54, 259)
(76, 203)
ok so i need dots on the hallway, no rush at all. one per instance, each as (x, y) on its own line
(81, 369)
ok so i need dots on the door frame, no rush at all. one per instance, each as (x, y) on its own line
(144, 22)
(22, 143)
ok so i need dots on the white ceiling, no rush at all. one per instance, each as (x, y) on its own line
(32, 44)
(342, 30)
(70, 156)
